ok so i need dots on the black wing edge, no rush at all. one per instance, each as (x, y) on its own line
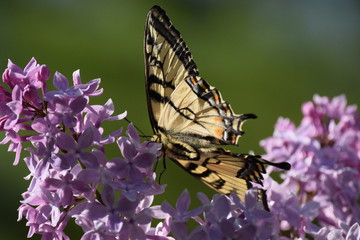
(172, 35)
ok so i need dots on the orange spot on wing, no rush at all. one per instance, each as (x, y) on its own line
(227, 109)
(203, 86)
(193, 80)
(233, 138)
(219, 132)
(218, 119)
(217, 98)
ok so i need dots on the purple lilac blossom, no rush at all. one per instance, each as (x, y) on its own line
(322, 189)
(71, 178)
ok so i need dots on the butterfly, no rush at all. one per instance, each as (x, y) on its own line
(191, 119)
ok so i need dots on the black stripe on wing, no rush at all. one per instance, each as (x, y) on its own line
(152, 79)
(158, 19)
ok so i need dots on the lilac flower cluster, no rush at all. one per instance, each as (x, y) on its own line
(320, 195)
(71, 177)
(69, 173)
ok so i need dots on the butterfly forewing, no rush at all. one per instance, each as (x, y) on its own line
(167, 61)
(174, 106)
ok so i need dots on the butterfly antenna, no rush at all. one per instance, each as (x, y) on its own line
(143, 134)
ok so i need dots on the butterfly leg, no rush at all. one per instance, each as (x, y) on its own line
(164, 167)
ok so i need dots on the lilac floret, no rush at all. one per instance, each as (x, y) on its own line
(61, 83)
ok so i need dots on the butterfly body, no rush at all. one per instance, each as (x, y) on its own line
(189, 116)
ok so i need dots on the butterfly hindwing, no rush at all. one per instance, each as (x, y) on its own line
(226, 173)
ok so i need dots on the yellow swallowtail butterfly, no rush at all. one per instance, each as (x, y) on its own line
(189, 116)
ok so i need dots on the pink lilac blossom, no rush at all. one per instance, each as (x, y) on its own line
(320, 194)
(71, 178)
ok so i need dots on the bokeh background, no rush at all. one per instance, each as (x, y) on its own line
(266, 57)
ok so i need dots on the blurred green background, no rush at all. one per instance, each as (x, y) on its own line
(266, 57)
